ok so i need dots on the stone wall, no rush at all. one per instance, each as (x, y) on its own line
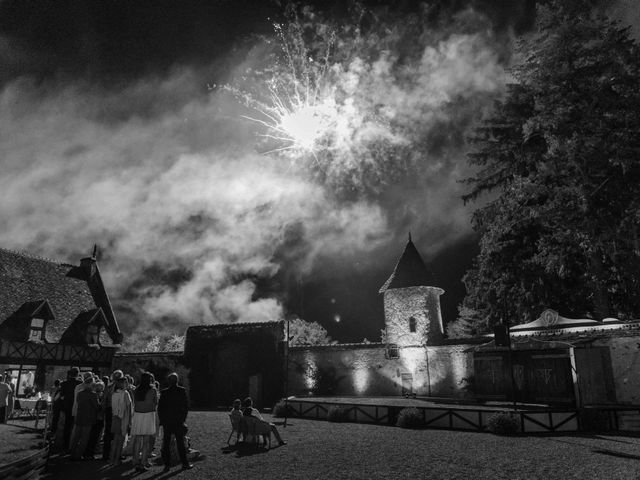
(625, 365)
(451, 370)
(368, 370)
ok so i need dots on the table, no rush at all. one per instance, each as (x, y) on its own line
(29, 407)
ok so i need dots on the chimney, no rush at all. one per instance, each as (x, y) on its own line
(88, 264)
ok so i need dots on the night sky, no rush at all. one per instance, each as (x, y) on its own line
(114, 132)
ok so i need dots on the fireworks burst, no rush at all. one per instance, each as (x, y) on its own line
(300, 112)
(362, 108)
(298, 124)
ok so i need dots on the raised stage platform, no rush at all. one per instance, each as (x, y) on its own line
(459, 416)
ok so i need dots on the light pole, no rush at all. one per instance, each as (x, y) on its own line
(513, 379)
(286, 377)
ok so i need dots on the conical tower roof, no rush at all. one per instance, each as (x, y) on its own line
(410, 271)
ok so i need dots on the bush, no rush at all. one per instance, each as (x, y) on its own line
(503, 423)
(410, 418)
(337, 414)
(282, 409)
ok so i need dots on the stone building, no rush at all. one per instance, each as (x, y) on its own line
(52, 316)
(235, 360)
(415, 358)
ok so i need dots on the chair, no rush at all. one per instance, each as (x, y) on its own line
(253, 428)
(16, 411)
(235, 427)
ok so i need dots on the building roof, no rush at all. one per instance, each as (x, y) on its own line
(552, 330)
(410, 271)
(226, 329)
(63, 294)
(550, 321)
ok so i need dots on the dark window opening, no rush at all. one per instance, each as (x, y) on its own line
(392, 350)
(92, 334)
(412, 324)
(36, 333)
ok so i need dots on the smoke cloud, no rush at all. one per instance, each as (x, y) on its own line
(191, 220)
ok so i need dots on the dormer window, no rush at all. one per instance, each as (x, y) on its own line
(92, 334)
(36, 333)
(412, 324)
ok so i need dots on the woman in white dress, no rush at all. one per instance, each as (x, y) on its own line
(121, 408)
(143, 424)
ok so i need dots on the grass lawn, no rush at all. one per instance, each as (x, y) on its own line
(323, 450)
(17, 442)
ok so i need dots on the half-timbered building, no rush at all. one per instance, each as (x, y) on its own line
(53, 316)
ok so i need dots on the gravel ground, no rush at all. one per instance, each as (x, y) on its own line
(318, 449)
(17, 442)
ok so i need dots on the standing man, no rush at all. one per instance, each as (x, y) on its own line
(87, 406)
(67, 390)
(6, 396)
(172, 411)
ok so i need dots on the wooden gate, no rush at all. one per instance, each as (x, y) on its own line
(538, 376)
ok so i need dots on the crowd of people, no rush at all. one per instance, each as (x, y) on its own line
(121, 415)
(86, 408)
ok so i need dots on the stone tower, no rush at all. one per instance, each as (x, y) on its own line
(411, 304)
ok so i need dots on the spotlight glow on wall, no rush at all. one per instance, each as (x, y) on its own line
(360, 380)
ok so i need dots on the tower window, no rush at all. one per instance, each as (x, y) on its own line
(392, 350)
(412, 324)
(36, 334)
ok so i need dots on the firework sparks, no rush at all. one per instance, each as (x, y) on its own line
(361, 111)
(298, 124)
(300, 112)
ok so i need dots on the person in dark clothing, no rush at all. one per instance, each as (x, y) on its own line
(172, 412)
(6, 398)
(56, 405)
(67, 390)
(98, 425)
(85, 419)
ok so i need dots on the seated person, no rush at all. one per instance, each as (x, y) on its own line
(236, 418)
(249, 411)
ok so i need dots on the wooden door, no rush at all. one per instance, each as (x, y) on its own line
(550, 378)
(595, 380)
(230, 379)
(255, 389)
(489, 376)
(407, 384)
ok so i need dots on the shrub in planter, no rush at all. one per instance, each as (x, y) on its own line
(410, 418)
(503, 423)
(337, 414)
(282, 409)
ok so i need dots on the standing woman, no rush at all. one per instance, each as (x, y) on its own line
(121, 407)
(143, 424)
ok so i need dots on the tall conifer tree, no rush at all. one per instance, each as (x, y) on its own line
(560, 162)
